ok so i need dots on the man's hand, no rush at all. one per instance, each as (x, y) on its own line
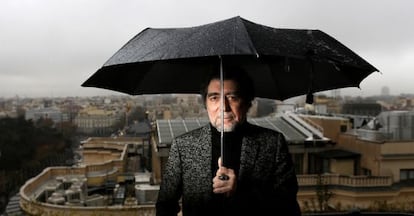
(224, 186)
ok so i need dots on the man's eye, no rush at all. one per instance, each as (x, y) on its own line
(213, 98)
(233, 97)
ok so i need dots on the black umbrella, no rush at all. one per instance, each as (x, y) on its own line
(283, 62)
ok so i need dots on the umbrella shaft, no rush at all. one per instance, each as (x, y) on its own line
(222, 110)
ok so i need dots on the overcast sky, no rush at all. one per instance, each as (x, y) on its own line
(50, 47)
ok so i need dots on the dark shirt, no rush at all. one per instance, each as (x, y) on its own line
(232, 147)
(232, 142)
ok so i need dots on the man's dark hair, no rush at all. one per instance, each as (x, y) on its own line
(245, 87)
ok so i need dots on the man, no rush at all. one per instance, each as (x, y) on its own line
(259, 177)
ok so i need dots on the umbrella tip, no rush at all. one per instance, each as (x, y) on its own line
(309, 98)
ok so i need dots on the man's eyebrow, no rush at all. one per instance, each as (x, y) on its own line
(234, 93)
(212, 94)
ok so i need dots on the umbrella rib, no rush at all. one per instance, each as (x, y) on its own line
(250, 40)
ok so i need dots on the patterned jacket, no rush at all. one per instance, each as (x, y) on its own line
(266, 181)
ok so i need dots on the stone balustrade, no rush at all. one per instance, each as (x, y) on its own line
(341, 180)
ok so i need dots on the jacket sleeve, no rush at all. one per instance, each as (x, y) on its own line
(285, 183)
(268, 180)
(171, 185)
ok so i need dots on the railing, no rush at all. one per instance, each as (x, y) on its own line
(38, 208)
(94, 171)
(296, 125)
(341, 180)
(318, 127)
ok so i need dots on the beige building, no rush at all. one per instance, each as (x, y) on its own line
(106, 181)
(373, 171)
(96, 121)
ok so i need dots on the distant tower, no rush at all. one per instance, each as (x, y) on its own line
(385, 91)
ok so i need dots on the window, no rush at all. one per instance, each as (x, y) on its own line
(406, 174)
(366, 171)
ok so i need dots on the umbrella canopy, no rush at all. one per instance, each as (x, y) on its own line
(282, 62)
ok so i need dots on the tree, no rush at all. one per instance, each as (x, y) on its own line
(323, 194)
(16, 144)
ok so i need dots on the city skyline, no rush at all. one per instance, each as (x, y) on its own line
(50, 48)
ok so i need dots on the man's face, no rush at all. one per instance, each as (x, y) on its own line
(234, 108)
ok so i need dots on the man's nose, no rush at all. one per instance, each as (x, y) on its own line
(226, 104)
